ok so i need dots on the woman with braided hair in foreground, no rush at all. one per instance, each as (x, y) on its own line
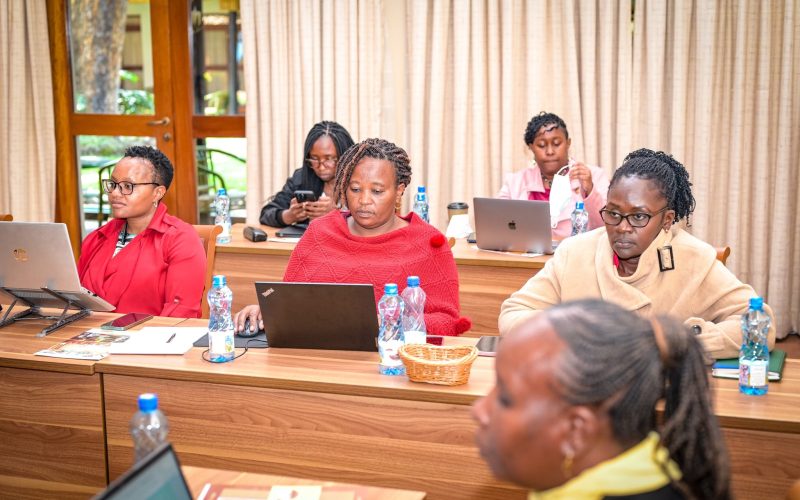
(371, 243)
(641, 261)
(573, 412)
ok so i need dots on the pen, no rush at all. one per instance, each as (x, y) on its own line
(170, 339)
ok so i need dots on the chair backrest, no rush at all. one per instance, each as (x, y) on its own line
(723, 253)
(6, 217)
(208, 235)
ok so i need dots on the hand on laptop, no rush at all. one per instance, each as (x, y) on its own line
(253, 312)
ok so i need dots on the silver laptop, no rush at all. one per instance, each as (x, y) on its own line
(36, 255)
(513, 225)
(319, 315)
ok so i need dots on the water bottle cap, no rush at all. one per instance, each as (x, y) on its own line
(756, 303)
(420, 189)
(148, 402)
(219, 280)
(579, 205)
(390, 289)
(412, 281)
(221, 192)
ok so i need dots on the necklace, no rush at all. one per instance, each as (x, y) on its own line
(547, 182)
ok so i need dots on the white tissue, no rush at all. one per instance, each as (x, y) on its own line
(459, 226)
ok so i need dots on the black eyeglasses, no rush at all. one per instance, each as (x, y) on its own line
(330, 162)
(639, 219)
(125, 187)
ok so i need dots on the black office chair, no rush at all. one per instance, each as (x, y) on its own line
(209, 181)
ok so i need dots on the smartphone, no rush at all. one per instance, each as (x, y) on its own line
(303, 195)
(487, 345)
(127, 321)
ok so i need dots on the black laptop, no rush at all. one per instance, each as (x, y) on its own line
(336, 316)
(156, 477)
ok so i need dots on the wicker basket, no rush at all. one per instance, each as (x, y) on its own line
(438, 365)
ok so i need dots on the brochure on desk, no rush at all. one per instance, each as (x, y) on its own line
(213, 491)
(92, 344)
(96, 344)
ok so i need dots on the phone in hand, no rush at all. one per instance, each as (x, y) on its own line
(127, 321)
(302, 195)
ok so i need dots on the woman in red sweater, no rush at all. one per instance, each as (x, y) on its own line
(372, 243)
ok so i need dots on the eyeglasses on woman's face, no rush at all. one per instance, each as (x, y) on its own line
(125, 187)
(328, 162)
(638, 219)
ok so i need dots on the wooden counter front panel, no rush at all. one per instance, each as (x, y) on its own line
(763, 464)
(243, 270)
(51, 434)
(482, 289)
(355, 439)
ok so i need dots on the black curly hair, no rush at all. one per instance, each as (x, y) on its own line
(380, 149)
(162, 167)
(666, 172)
(539, 121)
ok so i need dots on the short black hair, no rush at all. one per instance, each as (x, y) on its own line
(341, 141)
(162, 167)
(539, 121)
(380, 149)
(666, 172)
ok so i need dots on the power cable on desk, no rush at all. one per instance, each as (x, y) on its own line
(246, 347)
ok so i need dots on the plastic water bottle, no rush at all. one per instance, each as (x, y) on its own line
(220, 323)
(149, 427)
(754, 354)
(421, 204)
(580, 219)
(222, 205)
(390, 333)
(414, 331)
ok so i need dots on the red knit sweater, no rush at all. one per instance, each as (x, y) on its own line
(329, 253)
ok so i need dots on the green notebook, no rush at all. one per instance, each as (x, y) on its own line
(729, 368)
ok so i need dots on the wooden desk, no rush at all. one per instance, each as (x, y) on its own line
(325, 415)
(197, 477)
(52, 441)
(486, 279)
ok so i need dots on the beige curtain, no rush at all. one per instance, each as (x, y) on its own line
(718, 85)
(478, 71)
(306, 61)
(27, 139)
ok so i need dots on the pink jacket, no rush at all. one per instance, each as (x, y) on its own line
(517, 186)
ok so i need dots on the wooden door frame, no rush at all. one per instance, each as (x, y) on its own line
(175, 66)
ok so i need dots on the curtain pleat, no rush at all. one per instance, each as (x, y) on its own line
(27, 143)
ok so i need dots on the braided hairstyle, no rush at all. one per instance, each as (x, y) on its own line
(613, 356)
(162, 167)
(539, 121)
(379, 149)
(666, 172)
(341, 141)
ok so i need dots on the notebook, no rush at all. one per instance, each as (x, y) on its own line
(36, 255)
(156, 477)
(513, 225)
(336, 316)
(729, 368)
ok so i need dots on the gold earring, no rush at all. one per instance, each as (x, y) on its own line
(566, 465)
(155, 203)
(398, 205)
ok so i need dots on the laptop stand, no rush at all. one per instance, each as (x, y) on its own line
(34, 310)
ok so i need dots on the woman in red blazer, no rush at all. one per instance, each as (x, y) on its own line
(144, 260)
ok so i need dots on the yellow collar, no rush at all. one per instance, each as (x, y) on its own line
(637, 470)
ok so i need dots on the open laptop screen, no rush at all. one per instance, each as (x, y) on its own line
(156, 477)
(339, 316)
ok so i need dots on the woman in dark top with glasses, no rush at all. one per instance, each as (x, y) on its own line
(144, 260)
(325, 143)
(641, 261)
